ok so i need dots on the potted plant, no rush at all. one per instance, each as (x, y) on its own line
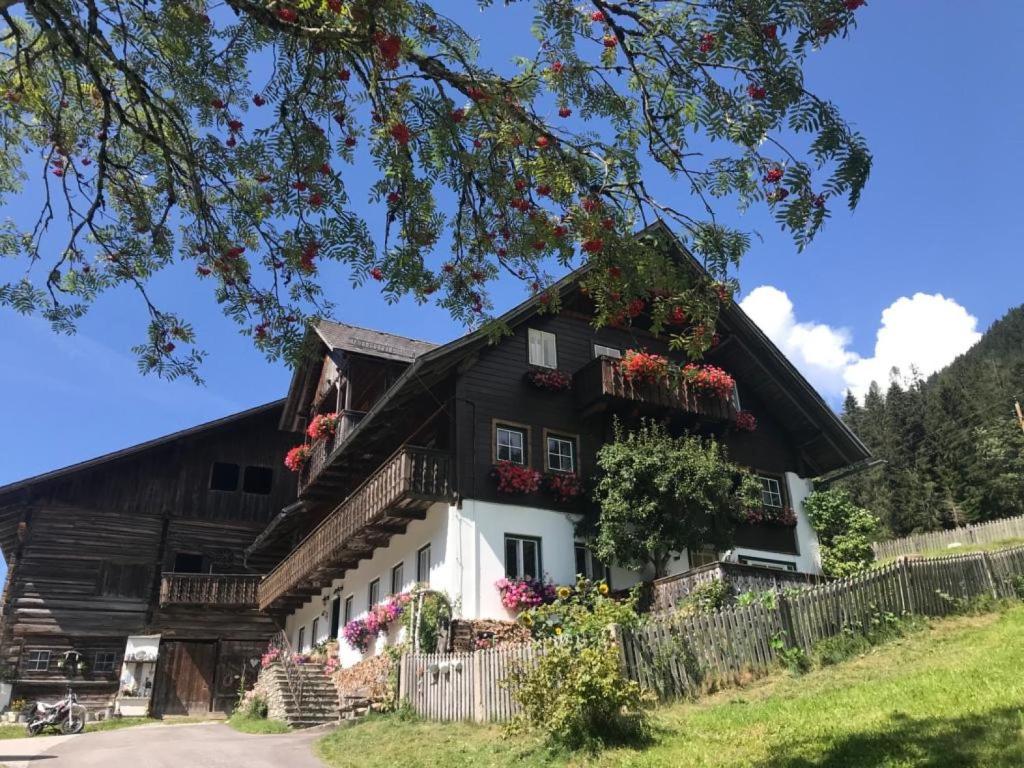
(297, 457)
(548, 379)
(515, 478)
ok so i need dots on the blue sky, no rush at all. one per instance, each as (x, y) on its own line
(940, 217)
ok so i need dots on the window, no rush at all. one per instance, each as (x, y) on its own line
(561, 453)
(188, 562)
(373, 593)
(397, 578)
(348, 609)
(702, 556)
(600, 350)
(778, 565)
(314, 631)
(335, 617)
(588, 565)
(771, 492)
(258, 480)
(37, 661)
(522, 557)
(423, 565)
(103, 663)
(300, 641)
(224, 477)
(510, 445)
(542, 349)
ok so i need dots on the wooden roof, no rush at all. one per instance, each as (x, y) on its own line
(366, 341)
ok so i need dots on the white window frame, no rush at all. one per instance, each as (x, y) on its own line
(600, 350)
(543, 348)
(519, 570)
(38, 661)
(348, 611)
(771, 488)
(396, 584)
(559, 441)
(589, 561)
(373, 593)
(763, 562)
(423, 573)
(510, 430)
(104, 662)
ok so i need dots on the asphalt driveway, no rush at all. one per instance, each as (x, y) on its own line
(206, 745)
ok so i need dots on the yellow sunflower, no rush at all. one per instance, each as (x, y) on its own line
(558, 630)
(527, 620)
(602, 588)
(563, 592)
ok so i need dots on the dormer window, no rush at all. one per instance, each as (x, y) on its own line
(543, 351)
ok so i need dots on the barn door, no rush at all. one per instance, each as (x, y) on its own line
(184, 678)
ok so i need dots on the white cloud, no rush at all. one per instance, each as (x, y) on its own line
(923, 332)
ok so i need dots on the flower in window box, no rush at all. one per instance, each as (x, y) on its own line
(746, 421)
(551, 380)
(297, 457)
(515, 478)
(564, 486)
(520, 594)
(645, 367)
(770, 516)
(323, 425)
(709, 378)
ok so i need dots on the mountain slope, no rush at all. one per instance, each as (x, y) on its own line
(953, 449)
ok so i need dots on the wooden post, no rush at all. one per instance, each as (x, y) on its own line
(403, 684)
(786, 620)
(615, 632)
(1020, 414)
(905, 587)
(477, 670)
(987, 565)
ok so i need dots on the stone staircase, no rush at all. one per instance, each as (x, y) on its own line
(319, 704)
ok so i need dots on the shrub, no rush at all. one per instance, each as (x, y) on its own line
(581, 612)
(845, 531)
(253, 705)
(578, 697)
(705, 597)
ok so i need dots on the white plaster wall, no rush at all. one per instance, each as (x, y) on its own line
(808, 559)
(401, 548)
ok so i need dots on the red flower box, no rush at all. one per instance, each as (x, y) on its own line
(564, 486)
(515, 478)
(710, 378)
(745, 421)
(770, 516)
(323, 425)
(551, 380)
(297, 457)
(643, 366)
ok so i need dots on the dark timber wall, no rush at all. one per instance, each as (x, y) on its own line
(86, 550)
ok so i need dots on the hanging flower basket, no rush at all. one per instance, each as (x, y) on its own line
(297, 457)
(515, 478)
(745, 421)
(323, 425)
(783, 516)
(551, 380)
(357, 634)
(564, 486)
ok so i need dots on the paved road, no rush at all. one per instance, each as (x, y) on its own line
(207, 745)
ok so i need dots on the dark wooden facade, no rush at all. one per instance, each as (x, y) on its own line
(92, 549)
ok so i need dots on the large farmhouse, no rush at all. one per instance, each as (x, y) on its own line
(402, 492)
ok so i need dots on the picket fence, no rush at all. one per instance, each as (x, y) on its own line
(980, 533)
(464, 686)
(684, 656)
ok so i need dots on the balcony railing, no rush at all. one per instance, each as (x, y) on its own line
(228, 589)
(403, 486)
(601, 380)
(322, 449)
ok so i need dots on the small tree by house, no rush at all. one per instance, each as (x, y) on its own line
(660, 495)
(845, 531)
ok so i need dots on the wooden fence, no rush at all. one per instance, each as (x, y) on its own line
(981, 533)
(667, 592)
(684, 656)
(464, 686)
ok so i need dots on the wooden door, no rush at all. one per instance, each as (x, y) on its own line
(184, 678)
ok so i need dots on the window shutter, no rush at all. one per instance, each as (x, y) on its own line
(550, 353)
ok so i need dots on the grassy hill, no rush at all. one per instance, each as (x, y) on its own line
(951, 695)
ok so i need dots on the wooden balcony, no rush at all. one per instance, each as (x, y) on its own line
(237, 590)
(600, 383)
(401, 489)
(322, 449)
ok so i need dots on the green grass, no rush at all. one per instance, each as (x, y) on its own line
(951, 695)
(245, 724)
(111, 724)
(943, 551)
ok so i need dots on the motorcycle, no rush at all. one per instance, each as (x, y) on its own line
(66, 715)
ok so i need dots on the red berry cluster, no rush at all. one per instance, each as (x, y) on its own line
(707, 43)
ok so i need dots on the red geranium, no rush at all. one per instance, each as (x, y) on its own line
(297, 457)
(515, 478)
(710, 378)
(643, 366)
(323, 425)
(554, 381)
(770, 516)
(745, 421)
(564, 486)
